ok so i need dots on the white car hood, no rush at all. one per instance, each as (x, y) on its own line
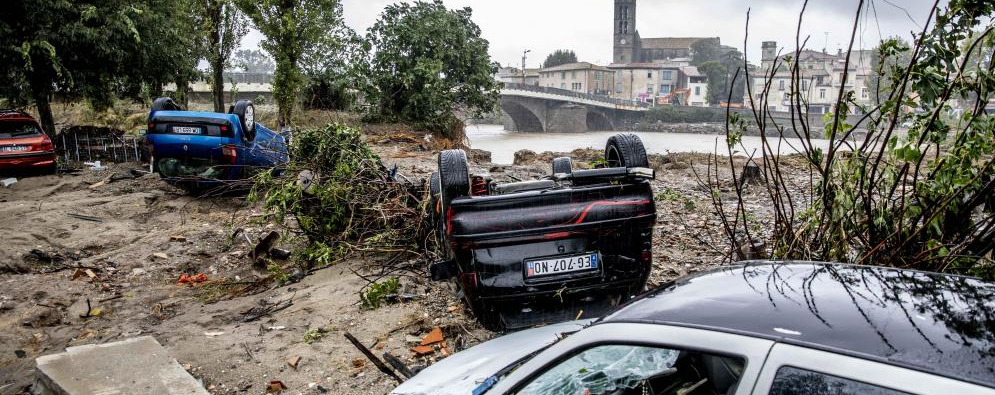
(461, 373)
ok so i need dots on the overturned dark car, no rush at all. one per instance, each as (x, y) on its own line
(575, 243)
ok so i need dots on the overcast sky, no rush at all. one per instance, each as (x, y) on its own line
(585, 26)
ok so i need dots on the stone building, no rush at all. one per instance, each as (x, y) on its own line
(631, 48)
(580, 77)
(512, 75)
(663, 82)
(821, 77)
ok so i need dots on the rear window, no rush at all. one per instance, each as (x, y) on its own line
(193, 129)
(18, 129)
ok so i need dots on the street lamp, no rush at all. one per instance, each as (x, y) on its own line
(524, 56)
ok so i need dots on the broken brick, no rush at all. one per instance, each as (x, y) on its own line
(422, 350)
(435, 336)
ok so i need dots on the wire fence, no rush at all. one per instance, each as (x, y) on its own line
(104, 145)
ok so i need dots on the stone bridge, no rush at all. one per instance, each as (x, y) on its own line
(530, 108)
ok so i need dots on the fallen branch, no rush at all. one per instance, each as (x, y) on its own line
(373, 358)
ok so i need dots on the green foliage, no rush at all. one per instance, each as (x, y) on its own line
(92, 49)
(680, 114)
(720, 65)
(293, 30)
(314, 334)
(279, 274)
(427, 64)
(351, 204)
(559, 58)
(668, 194)
(921, 199)
(222, 26)
(376, 294)
(332, 69)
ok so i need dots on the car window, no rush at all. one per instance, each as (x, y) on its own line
(794, 381)
(638, 370)
(16, 129)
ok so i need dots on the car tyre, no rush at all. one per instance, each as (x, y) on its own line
(562, 165)
(246, 113)
(626, 150)
(454, 175)
(165, 104)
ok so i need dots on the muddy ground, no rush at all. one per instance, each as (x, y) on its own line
(134, 236)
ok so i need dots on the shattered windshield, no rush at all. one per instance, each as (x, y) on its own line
(17, 129)
(609, 370)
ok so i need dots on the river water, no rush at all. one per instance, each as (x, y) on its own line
(503, 144)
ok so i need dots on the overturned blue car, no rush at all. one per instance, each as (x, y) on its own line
(206, 151)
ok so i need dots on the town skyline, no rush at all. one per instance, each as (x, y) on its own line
(586, 25)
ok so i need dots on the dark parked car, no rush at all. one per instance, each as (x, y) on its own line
(761, 328)
(201, 150)
(541, 251)
(23, 145)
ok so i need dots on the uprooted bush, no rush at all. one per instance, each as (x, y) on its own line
(344, 200)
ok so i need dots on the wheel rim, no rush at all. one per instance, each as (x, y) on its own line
(612, 157)
(250, 117)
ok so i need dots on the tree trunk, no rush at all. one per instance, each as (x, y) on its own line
(40, 92)
(217, 62)
(218, 83)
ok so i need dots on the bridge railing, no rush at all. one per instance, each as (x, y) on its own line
(578, 95)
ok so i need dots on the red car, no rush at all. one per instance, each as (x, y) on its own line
(23, 145)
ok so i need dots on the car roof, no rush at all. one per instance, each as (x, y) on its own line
(941, 324)
(15, 115)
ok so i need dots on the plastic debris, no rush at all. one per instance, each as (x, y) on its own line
(7, 182)
(194, 279)
(95, 165)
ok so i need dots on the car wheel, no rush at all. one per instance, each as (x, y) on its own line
(625, 150)
(246, 113)
(562, 166)
(454, 175)
(165, 104)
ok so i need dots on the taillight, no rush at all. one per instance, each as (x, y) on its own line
(469, 280)
(45, 145)
(478, 186)
(230, 153)
(647, 256)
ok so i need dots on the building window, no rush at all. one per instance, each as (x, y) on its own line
(822, 93)
(697, 91)
(786, 96)
(573, 75)
(618, 87)
(818, 80)
(649, 89)
(863, 93)
(665, 89)
(649, 74)
(780, 84)
(563, 75)
(577, 86)
(597, 76)
(804, 85)
(667, 75)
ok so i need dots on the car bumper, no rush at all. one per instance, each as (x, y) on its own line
(30, 160)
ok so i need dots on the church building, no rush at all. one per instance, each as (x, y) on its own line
(630, 48)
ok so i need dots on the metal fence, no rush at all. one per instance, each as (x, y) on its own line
(75, 146)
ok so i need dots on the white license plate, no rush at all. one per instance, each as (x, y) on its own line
(563, 264)
(186, 130)
(13, 148)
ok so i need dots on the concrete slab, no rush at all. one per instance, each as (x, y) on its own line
(134, 366)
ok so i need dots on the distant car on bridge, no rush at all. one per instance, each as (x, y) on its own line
(200, 151)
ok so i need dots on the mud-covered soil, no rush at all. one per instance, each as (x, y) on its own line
(133, 236)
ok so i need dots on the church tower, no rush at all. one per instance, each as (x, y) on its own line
(626, 38)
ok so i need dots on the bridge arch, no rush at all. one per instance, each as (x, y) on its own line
(596, 120)
(524, 119)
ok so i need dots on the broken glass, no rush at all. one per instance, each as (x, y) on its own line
(604, 370)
